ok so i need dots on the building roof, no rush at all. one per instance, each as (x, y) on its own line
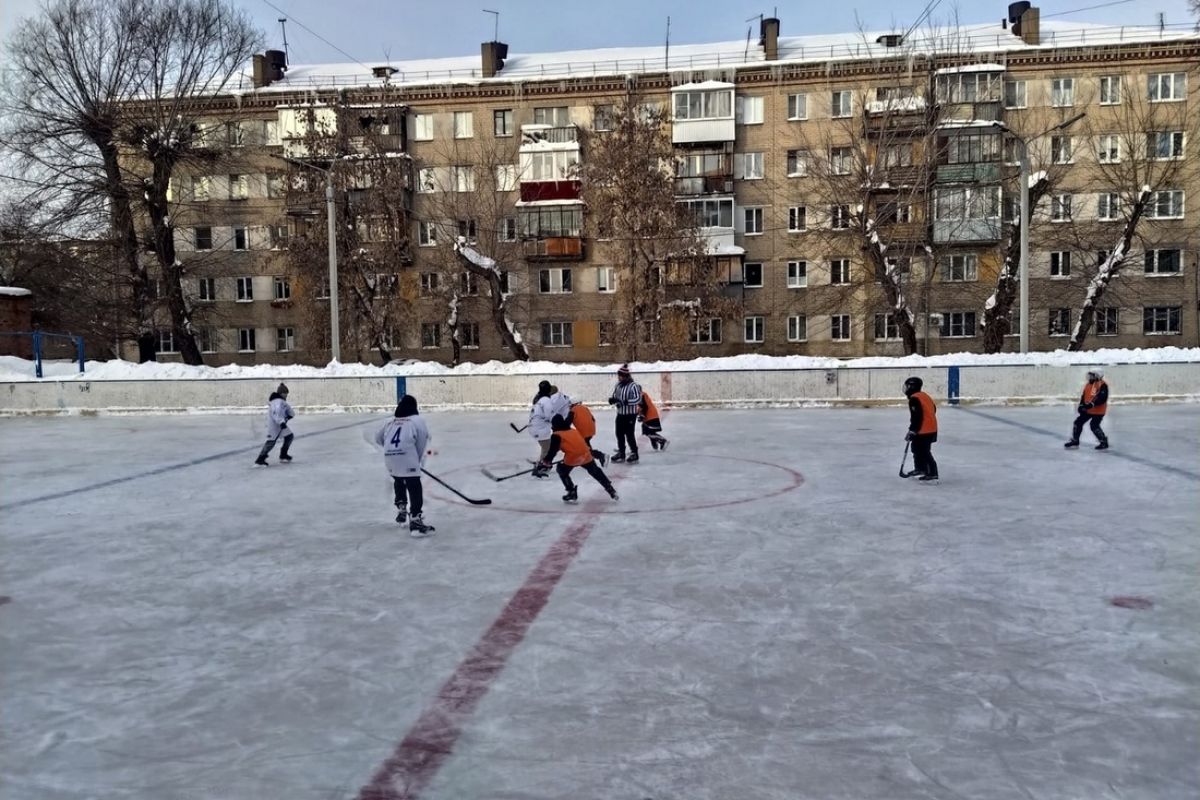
(969, 40)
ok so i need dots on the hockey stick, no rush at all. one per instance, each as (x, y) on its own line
(498, 478)
(516, 429)
(484, 502)
(903, 459)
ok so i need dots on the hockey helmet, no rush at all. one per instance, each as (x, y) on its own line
(1095, 374)
(913, 384)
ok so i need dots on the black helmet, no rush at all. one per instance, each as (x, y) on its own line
(545, 389)
(913, 384)
(407, 407)
(559, 423)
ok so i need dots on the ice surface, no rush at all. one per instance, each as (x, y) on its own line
(769, 612)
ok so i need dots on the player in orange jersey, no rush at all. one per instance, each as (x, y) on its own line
(576, 453)
(922, 430)
(651, 423)
(584, 421)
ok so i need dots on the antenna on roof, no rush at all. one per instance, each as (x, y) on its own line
(1162, 21)
(759, 17)
(496, 29)
(283, 27)
(667, 54)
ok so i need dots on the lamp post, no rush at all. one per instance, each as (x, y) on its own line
(1026, 214)
(335, 335)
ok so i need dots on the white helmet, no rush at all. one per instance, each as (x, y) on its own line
(1095, 374)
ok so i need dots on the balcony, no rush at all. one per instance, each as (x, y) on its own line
(554, 248)
(984, 172)
(904, 232)
(541, 136)
(893, 177)
(704, 184)
(967, 231)
(540, 191)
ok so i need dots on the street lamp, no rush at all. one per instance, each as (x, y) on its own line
(1026, 214)
(335, 335)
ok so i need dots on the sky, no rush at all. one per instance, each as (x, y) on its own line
(372, 30)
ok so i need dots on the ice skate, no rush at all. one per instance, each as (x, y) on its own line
(417, 528)
(1103, 445)
(928, 478)
(1071, 444)
(401, 513)
(915, 473)
(284, 458)
(633, 458)
(618, 457)
(612, 493)
(261, 461)
(572, 495)
(662, 444)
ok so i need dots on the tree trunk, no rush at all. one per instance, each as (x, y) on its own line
(126, 238)
(997, 317)
(499, 306)
(157, 208)
(894, 295)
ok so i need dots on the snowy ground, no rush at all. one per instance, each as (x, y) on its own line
(769, 612)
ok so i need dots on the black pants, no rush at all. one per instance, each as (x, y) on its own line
(922, 450)
(412, 487)
(652, 430)
(270, 445)
(1085, 418)
(596, 454)
(593, 469)
(626, 432)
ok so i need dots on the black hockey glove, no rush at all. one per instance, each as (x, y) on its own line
(908, 437)
(612, 401)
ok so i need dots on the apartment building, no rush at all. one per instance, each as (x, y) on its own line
(816, 167)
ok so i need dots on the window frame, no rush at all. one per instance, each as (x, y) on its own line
(841, 272)
(794, 105)
(1060, 264)
(554, 280)
(1019, 88)
(960, 321)
(247, 336)
(286, 336)
(841, 104)
(797, 274)
(502, 123)
(711, 325)
(244, 289)
(281, 287)
(464, 124)
(1151, 314)
(747, 267)
(206, 290)
(565, 333)
(794, 325)
(757, 215)
(891, 328)
(1154, 86)
(841, 328)
(797, 219)
(1108, 320)
(1062, 96)
(754, 329)
(1155, 255)
(956, 264)
(606, 280)
(1106, 87)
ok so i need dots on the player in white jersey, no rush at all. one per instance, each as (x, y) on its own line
(405, 440)
(279, 413)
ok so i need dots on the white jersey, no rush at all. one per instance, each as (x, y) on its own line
(404, 441)
(543, 412)
(278, 414)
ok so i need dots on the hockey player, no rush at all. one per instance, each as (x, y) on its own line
(651, 423)
(405, 440)
(576, 453)
(279, 413)
(1093, 404)
(546, 403)
(582, 419)
(626, 396)
(922, 430)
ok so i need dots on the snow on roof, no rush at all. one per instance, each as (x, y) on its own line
(565, 202)
(971, 68)
(967, 123)
(988, 38)
(701, 86)
(13, 291)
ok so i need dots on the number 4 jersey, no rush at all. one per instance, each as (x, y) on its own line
(404, 441)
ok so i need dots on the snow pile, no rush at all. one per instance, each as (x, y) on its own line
(14, 369)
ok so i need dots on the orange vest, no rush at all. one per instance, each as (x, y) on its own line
(1090, 390)
(575, 450)
(583, 420)
(651, 412)
(928, 413)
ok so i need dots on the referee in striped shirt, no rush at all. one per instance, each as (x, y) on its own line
(626, 396)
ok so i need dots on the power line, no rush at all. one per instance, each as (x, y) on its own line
(314, 33)
(1086, 8)
(929, 7)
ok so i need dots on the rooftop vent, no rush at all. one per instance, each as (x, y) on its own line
(768, 38)
(891, 39)
(493, 54)
(383, 72)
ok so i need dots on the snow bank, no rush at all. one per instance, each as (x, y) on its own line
(13, 369)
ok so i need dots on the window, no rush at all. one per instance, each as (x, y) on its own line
(430, 281)
(506, 177)
(797, 219)
(755, 329)
(166, 342)
(507, 231)
(1060, 264)
(969, 87)
(840, 104)
(557, 334)
(797, 274)
(1162, 262)
(554, 281)
(839, 217)
(1062, 92)
(797, 106)
(239, 187)
(505, 283)
(958, 324)
(1012, 153)
(274, 184)
(606, 333)
(555, 116)
(711, 213)
(797, 163)
(966, 148)
(1167, 87)
(271, 132)
(651, 331)
(750, 110)
(502, 122)
(423, 127)
(462, 179)
(245, 340)
(606, 279)
(245, 290)
(753, 218)
(201, 188)
(1110, 90)
(285, 339)
(604, 118)
(713, 104)
(1060, 321)
(839, 327)
(464, 125)
(431, 334)
(839, 270)
(235, 134)
(1061, 149)
(958, 269)
(550, 221)
(426, 234)
(279, 236)
(207, 290)
(1109, 150)
(1014, 94)
(384, 282)
(1160, 320)
(1107, 319)
(750, 165)
(468, 335)
(1166, 204)
(1010, 210)
(468, 284)
(958, 204)
(323, 288)
(706, 331)
(466, 230)
(1108, 206)
(752, 275)
(554, 165)
(894, 211)
(797, 328)
(282, 288)
(896, 155)
(427, 180)
(202, 237)
(886, 329)
(240, 240)
(841, 159)
(206, 338)
(1060, 208)
(1164, 145)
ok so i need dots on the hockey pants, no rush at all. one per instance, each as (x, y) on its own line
(410, 486)
(922, 450)
(593, 469)
(627, 432)
(1085, 418)
(270, 445)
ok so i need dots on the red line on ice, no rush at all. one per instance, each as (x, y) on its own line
(431, 739)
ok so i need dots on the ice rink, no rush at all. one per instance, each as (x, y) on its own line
(769, 613)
